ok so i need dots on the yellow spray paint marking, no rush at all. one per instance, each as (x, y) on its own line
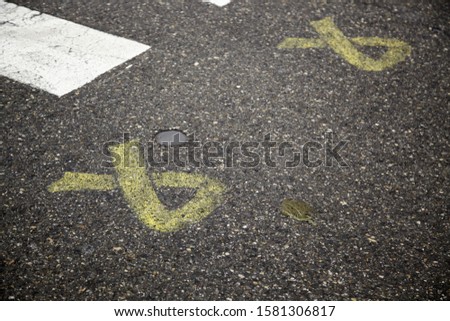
(140, 194)
(332, 37)
(81, 181)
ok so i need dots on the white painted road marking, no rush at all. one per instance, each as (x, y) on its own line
(219, 3)
(54, 54)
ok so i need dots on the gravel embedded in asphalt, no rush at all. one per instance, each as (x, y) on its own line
(382, 224)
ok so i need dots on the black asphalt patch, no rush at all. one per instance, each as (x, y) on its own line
(382, 227)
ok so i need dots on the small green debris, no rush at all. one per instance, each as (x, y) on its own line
(298, 210)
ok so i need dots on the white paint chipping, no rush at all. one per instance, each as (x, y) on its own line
(54, 54)
(219, 3)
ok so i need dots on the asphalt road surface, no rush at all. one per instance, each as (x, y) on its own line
(378, 207)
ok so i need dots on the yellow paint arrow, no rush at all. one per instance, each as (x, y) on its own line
(138, 190)
(331, 36)
(81, 181)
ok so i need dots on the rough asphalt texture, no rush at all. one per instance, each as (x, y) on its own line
(382, 228)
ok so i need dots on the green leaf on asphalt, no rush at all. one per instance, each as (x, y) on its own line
(298, 210)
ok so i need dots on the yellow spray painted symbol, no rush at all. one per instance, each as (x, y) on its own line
(331, 36)
(138, 190)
